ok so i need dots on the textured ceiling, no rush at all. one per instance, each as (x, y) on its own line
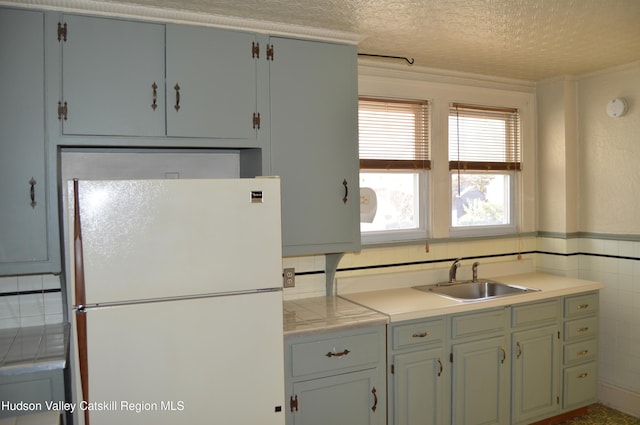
(524, 39)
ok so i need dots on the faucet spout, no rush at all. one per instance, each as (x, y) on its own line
(474, 269)
(453, 270)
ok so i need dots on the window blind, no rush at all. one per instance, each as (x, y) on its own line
(484, 138)
(393, 134)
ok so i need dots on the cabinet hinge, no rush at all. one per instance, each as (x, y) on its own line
(256, 120)
(255, 50)
(393, 369)
(269, 52)
(62, 31)
(293, 403)
(62, 110)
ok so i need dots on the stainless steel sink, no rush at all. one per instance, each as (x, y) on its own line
(475, 291)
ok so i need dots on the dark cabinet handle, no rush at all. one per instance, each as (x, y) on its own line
(375, 399)
(346, 191)
(32, 192)
(177, 89)
(504, 355)
(440, 363)
(154, 105)
(519, 350)
(332, 354)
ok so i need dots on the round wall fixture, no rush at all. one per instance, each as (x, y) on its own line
(617, 107)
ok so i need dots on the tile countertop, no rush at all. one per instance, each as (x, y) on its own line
(407, 303)
(323, 314)
(33, 349)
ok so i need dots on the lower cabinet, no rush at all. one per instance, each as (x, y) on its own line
(336, 378)
(417, 376)
(511, 365)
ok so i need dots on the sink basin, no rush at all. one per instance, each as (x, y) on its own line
(475, 291)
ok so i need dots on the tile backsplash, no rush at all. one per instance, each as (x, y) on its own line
(30, 301)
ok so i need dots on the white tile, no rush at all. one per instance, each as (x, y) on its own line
(30, 283)
(8, 284)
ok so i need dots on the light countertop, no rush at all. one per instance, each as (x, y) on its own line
(401, 304)
(322, 314)
(32, 349)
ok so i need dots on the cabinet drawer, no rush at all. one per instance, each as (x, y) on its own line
(478, 323)
(417, 334)
(580, 351)
(580, 305)
(533, 314)
(335, 353)
(581, 328)
(580, 385)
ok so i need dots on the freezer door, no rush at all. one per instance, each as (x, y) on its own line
(212, 360)
(149, 239)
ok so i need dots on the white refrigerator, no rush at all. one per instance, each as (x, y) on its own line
(177, 293)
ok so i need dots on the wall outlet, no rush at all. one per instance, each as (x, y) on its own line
(289, 278)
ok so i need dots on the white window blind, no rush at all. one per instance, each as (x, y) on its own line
(393, 134)
(484, 138)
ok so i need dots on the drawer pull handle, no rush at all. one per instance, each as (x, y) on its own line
(583, 375)
(332, 354)
(293, 403)
(440, 363)
(583, 306)
(504, 355)
(583, 352)
(420, 335)
(375, 399)
(583, 329)
(519, 350)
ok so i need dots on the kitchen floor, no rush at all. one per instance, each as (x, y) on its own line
(602, 415)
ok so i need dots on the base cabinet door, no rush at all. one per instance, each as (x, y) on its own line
(536, 374)
(480, 383)
(418, 388)
(351, 398)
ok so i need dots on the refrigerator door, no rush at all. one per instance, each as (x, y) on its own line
(151, 239)
(215, 360)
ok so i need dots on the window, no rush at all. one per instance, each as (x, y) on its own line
(394, 161)
(484, 158)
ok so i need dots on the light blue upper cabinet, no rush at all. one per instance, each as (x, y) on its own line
(211, 82)
(128, 78)
(314, 144)
(109, 68)
(25, 246)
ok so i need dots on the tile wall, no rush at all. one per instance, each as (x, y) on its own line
(30, 301)
(615, 263)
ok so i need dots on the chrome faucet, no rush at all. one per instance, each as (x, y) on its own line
(474, 269)
(453, 270)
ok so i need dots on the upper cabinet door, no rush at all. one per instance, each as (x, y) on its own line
(112, 76)
(314, 144)
(23, 208)
(211, 83)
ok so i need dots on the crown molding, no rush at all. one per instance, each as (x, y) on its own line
(147, 13)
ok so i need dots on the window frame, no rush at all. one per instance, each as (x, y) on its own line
(421, 167)
(511, 168)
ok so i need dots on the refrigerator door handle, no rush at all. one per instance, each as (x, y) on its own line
(81, 317)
